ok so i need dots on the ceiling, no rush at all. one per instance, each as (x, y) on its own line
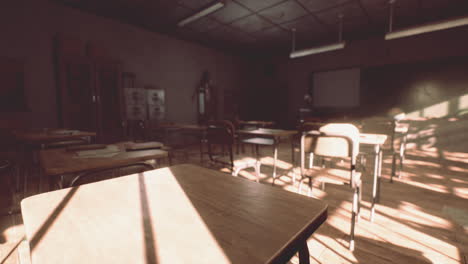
(265, 25)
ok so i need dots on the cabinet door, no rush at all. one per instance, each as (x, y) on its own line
(77, 95)
(108, 81)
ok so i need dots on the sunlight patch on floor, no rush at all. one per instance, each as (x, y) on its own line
(460, 192)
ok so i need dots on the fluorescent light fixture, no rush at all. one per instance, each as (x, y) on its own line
(446, 24)
(315, 50)
(201, 14)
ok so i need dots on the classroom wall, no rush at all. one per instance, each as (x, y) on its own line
(29, 27)
(373, 52)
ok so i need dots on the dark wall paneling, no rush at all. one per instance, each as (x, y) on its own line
(414, 86)
(12, 96)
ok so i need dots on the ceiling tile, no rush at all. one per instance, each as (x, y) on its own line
(284, 12)
(257, 5)
(351, 10)
(355, 26)
(305, 24)
(175, 14)
(230, 12)
(378, 10)
(313, 40)
(320, 5)
(251, 23)
(435, 10)
(195, 4)
(226, 33)
(273, 33)
(204, 24)
(440, 3)
(383, 5)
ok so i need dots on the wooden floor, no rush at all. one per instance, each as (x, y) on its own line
(422, 218)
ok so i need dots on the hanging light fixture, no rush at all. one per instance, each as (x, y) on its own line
(320, 49)
(425, 28)
(206, 11)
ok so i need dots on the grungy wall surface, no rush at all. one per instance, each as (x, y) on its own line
(28, 29)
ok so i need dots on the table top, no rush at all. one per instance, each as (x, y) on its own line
(180, 214)
(50, 135)
(61, 161)
(268, 132)
(256, 123)
(182, 126)
(372, 139)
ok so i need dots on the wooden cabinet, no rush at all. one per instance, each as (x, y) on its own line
(110, 114)
(77, 93)
(90, 96)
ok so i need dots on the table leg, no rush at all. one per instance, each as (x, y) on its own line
(275, 157)
(374, 186)
(304, 257)
(379, 175)
(201, 151)
(202, 141)
(393, 167)
(292, 152)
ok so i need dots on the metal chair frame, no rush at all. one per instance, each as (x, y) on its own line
(355, 185)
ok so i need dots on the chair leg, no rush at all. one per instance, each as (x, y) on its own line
(309, 192)
(401, 166)
(359, 202)
(311, 160)
(292, 153)
(393, 167)
(299, 187)
(353, 218)
(236, 171)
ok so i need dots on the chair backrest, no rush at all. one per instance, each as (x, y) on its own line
(337, 140)
(220, 132)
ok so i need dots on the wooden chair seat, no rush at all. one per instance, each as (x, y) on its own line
(333, 176)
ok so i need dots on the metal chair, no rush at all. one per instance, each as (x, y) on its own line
(221, 134)
(105, 174)
(334, 141)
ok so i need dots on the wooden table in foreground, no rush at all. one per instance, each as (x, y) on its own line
(58, 162)
(180, 214)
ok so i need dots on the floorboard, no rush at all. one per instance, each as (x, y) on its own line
(422, 217)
